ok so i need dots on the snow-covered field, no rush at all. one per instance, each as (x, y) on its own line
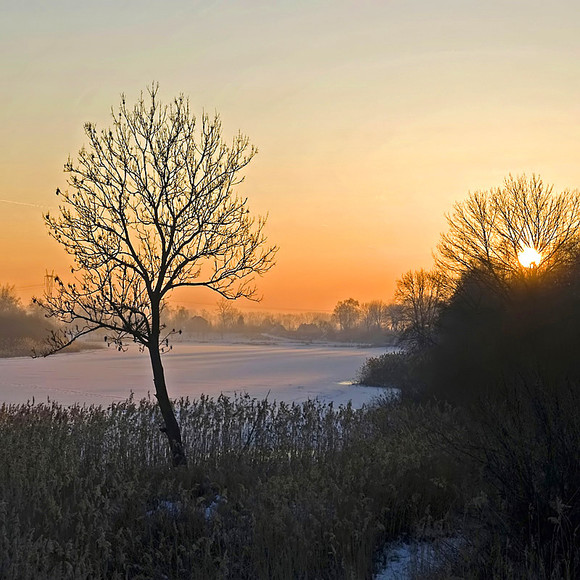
(287, 372)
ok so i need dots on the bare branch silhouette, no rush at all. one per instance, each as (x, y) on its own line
(488, 230)
(152, 206)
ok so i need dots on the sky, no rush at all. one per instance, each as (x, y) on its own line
(371, 119)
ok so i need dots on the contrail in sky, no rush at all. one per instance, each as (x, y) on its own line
(23, 203)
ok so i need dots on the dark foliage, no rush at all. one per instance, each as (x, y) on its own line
(400, 370)
(486, 337)
(529, 439)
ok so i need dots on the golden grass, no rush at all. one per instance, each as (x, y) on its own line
(272, 491)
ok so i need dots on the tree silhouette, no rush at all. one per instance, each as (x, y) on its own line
(421, 294)
(152, 207)
(488, 231)
(502, 319)
(374, 314)
(347, 314)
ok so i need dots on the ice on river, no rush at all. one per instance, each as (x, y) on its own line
(287, 372)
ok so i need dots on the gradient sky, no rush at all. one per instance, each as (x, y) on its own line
(371, 118)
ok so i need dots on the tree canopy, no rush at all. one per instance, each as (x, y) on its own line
(152, 206)
(421, 294)
(487, 232)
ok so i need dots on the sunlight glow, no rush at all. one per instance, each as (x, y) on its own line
(529, 257)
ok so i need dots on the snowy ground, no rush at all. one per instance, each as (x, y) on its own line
(418, 559)
(289, 372)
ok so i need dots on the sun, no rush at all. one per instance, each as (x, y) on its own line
(529, 257)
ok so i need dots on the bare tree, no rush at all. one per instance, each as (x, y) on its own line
(374, 314)
(227, 314)
(421, 294)
(347, 314)
(152, 207)
(9, 301)
(489, 230)
(394, 316)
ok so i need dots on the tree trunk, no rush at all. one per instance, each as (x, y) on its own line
(171, 428)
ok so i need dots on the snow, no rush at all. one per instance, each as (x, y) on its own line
(211, 510)
(407, 560)
(287, 372)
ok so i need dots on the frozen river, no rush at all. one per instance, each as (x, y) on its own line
(287, 372)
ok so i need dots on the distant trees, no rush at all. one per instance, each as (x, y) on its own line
(421, 294)
(21, 328)
(189, 324)
(374, 321)
(228, 314)
(374, 315)
(152, 207)
(347, 313)
(9, 302)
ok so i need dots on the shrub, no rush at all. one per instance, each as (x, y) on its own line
(400, 370)
(528, 442)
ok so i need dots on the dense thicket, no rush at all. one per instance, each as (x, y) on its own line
(504, 353)
(532, 329)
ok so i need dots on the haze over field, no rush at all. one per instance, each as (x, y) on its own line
(371, 119)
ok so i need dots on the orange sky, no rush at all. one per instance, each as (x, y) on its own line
(371, 118)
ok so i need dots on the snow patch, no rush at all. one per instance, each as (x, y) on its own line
(407, 560)
(211, 510)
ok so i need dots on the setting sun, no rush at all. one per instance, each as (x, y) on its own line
(529, 257)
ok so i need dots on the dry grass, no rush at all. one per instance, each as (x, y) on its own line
(272, 491)
(288, 491)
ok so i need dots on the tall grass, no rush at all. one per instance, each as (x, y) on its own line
(272, 491)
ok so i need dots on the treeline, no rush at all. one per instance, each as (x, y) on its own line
(373, 322)
(22, 328)
(25, 328)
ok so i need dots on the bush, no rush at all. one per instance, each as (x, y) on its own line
(399, 370)
(488, 335)
(528, 442)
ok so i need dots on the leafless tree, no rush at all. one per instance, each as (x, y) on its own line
(394, 316)
(227, 314)
(421, 294)
(152, 207)
(9, 301)
(488, 230)
(374, 314)
(347, 314)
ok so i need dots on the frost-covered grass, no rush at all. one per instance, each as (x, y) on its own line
(272, 490)
(292, 491)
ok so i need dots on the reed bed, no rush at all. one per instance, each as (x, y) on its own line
(272, 490)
